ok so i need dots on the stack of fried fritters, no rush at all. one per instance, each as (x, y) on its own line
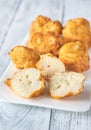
(52, 48)
(69, 43)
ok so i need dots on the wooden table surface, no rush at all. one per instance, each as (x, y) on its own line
(15, 19)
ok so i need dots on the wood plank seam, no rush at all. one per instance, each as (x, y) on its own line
(70, 121)
(63, 12)
(50, 120)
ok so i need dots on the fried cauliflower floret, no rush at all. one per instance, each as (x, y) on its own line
(29, 44)
(77, 29)
(26, 83)
(46, 43)
(38, 23)
(24, 57)
(75, 56)
(52, 26)
(44, 24)
(50, 65)
(66, 84)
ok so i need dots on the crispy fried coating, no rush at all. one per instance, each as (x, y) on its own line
(38, 23)
(75, 56)
(46, 43)
(77, 29)
(44, 24)
(7, 82)
(24, 57)
(52, 26)
(29, 44)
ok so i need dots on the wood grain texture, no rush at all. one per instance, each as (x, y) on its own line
(63, 120)
(12, 32)
(21, 117)
(77, 8)
(8, 10)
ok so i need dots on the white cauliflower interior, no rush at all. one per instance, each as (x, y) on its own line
(49, 65)
(66, 83)
(26, 82)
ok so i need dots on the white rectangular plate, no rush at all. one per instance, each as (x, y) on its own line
(79, 103)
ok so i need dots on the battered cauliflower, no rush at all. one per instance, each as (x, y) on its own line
(52, 26)
(24, 57)
(77, 29)
(38, 23)
(46, 43)
(75, 56)
(44, 24)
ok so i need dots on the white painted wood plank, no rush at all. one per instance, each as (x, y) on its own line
(63, 120)
(8, 9)
(80, 121)
(77, 8)
(21, 117)
(60, 120)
